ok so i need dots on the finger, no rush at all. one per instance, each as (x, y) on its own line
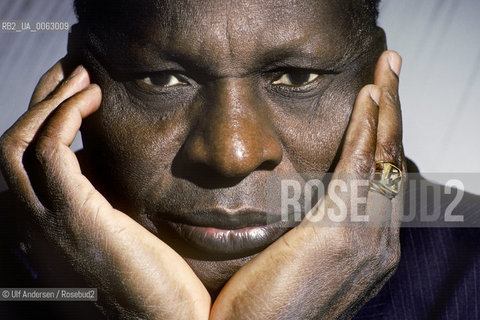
(87, 213)
(357, 157)
(67, 119)
(26, 127)
(389, 132)
(48, 82)
(16, 139)
(60, 168)
(359, 148)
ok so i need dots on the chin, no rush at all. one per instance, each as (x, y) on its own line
(214, 274)
(215, 254)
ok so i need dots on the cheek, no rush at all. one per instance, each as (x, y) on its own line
(131, 146)
(312, 139)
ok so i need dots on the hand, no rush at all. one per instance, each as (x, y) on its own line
(329, 272)
(137, 274)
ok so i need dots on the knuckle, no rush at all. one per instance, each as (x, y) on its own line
(56, 96)
(368, 89)
(44, 149)
(388, 250)
(52, 98)
(354, 242)
(392, 257)
(361, 158)
(8, 146)
(89, 203)
(5, 144)
(365, 247)
(371, 244)
(342, 242)
(7, 141)
(392, 153)
(368, 246)
(390, 96)
(389, 150)
(361, 161)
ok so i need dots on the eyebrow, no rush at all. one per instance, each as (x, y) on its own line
(284, 56)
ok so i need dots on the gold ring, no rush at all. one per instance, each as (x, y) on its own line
(387, 179)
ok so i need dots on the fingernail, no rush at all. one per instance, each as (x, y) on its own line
(375, 95)
(395, 63)
(76, 71)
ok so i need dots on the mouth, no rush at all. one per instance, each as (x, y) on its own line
(223, 233)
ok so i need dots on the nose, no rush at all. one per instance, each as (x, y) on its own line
(234, 136)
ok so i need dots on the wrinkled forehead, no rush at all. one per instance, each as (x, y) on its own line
(219, 30)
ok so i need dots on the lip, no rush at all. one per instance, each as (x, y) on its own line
(228, 241)
(221, 232)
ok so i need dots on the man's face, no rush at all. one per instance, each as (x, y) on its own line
(203, 101)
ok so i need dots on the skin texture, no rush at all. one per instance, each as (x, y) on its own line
(215, 143)
(302, 267)
(73, 217)
(163, 153)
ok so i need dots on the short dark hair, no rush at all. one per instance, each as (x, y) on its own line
(370, 8)
(93, 12)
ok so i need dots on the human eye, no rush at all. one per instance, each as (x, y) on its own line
(164, 80)
(295, 78)
(152, 89)
(299, 82)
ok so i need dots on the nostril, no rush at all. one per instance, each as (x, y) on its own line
(232, 157)
(202, 175)
(268, 165)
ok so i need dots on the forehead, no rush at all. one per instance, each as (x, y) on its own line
(236, 33)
